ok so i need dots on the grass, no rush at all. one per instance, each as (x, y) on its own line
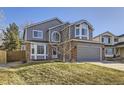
(61, 73)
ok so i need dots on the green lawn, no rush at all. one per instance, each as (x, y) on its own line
(61, 73)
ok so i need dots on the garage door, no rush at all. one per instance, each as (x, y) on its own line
(88, 53)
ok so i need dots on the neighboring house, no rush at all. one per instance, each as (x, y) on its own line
(109, 40)
(55, 39)
(113, 45)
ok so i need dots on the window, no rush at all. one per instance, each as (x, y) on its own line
(81, 31)
(37, 34)
(32, 49)
(106, 40)
(40, 49)
(55, 36)
(109, 40)
(116, 40)
(109, 51)
(84, 31)
(102, 39)
(77, 31)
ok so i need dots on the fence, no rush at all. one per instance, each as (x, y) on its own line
(3, 56)
(13, 56)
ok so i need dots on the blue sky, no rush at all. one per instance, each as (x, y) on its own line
(102, 19)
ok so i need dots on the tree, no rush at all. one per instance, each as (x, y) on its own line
(11, 39)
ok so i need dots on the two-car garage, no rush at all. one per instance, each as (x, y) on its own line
(88, 53)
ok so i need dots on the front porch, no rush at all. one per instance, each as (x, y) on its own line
(117, 54)
(120, 52)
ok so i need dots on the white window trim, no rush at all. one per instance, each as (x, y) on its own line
(105, 40)
(40, 32)
(75, 32)
(106, 49)
(35, 50)
(52, 36)
(86, 29)
(85, 34)
(80, 32)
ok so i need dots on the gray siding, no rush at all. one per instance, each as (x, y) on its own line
(43, 27)
(59, 29)
(90, 34)
(72, 33)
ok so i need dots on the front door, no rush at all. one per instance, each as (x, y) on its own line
(54, 52)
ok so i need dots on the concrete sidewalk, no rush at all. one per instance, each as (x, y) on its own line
(118, 66)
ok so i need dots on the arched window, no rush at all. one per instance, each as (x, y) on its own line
(55, 36)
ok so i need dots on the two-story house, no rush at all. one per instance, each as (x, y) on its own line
(109, 40)
(113, 45)
(55, 39)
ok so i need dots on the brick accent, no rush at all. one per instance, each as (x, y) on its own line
(49, 51)
(74, 54)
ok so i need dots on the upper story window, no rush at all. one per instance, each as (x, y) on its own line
(84, 31)
(106, 40)
(81, 30)
(55, 36)
(37, 34)
(77, 31)
(116, 40)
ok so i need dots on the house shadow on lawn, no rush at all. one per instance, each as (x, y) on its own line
(21, 64)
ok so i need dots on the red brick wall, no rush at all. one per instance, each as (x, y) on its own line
(74, 53)
(49, 51)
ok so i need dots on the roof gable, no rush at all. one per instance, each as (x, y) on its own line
(61, 22)
(84, 21)
(107, 32)
(122, 35)
(44, 25)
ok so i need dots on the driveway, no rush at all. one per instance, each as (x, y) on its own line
(118, 66)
